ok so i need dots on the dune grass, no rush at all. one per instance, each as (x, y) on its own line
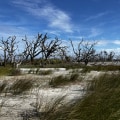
(63, 80)
(101, 102)
(20, 86)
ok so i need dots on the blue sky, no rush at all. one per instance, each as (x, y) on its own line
(97, 20)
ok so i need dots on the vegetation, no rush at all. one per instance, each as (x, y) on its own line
(20, 86)
(43, 49)
(63, 80)
(100, 68)
(15, 72)
(44, 72)
(102, 98)
(4, 71)
(101, 102)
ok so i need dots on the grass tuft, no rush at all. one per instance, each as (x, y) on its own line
(3, 86)
(102, 102)
(63, 80)
(44, 72)
(20, 86)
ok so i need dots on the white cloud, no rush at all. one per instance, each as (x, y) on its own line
(117, 42)
(96, 16)
(94, 32)
(56, 18)
(9, 30)
(102, 42)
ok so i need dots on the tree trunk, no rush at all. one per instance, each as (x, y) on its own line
(86, 62)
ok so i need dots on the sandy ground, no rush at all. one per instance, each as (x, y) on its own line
(13, 106)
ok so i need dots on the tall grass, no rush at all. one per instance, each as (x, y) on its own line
(101, 102)
(44, 108)
(3, 86)
(63, 80)
(21, 85)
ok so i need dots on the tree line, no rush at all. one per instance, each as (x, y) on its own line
(43, 47)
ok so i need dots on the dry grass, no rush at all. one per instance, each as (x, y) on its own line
(20, 86)
(63, 80)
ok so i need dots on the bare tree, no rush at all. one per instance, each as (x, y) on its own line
(9, 48)
(105, 56)
(77, 51)
(32, 48)
(49, 48)
(88, 52)
(63, 53)
(85, 51)
(12, 47)
(4, 48)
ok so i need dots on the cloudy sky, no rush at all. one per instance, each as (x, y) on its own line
(97, 20)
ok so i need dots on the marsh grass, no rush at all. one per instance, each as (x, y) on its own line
(63, 80)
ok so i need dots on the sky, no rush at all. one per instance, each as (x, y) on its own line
(92, 20)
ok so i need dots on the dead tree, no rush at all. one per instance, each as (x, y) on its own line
(12, 47)
(49, 48)
(63, 54)
(9, 48)
(32, 48)
(77, 51)
(4, 48)
(88, 52)
(84, 51)
(18, 60)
